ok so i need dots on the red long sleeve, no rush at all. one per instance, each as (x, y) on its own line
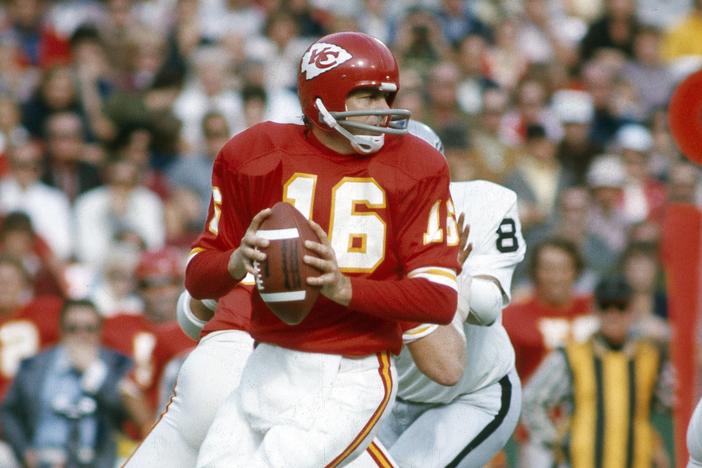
(409, 299)
(207, 276)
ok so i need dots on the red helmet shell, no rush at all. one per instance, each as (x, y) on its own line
(165, 263)
(339, 63)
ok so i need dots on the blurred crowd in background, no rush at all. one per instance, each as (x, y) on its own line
(112, 111)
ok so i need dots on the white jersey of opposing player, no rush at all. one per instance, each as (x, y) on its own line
(498, 246)
(694, 437)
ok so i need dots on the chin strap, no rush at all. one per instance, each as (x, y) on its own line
(363, 144)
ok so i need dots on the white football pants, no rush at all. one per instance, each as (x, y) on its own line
(209, 374)
(694, 437)
(300, 409)
(468, 432)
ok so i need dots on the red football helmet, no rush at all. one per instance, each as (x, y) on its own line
(338, 64)
(162, 264)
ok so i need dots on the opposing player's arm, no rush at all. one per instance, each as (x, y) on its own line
(439, 351)
(193, 314)
(498, 246)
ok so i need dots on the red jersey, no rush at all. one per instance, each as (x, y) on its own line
(24, 333)
(233, 310)
(150, 345)
(388, 216)
(170, 343)
(135, 336)
(536, 328)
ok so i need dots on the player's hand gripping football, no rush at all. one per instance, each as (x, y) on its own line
(334, 284)
(241, 260)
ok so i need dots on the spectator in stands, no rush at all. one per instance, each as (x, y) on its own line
(493, 158)
(48, 207)
(255, 101)
(66, 166)
(457, 152)
(420, 41)
(606, 179)
(538, 179)
(118, 30)
(152, 109)
(44, 270)
(572, 223)
(147, 55)
(372, 20)
(123, 204)
(684, 184)
(29, 322)
(12, 132)
(183, 37)
(553, 311)
(57, 93)
(599, 80)
(551, 315)
(195, 172)
(64, 405)
(39, 43)
(279, 48)
(530, 108)
(95, 80)
(209, 91)
(474, 79)
(651, 78)
(114, 291)
(643, 194)
(457, 21)
(613, 33)
(545, 34)
(595, 427)
(136, 144)
(504, 59)
(576, 150)
(16, 80)
(640, 266)
(444, 111)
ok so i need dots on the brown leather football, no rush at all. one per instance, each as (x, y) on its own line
(281, 279)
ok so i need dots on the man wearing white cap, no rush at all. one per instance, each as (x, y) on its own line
(606, 178)
(642, 193)
(574, 110)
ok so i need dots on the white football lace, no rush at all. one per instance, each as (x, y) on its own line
(258, 277)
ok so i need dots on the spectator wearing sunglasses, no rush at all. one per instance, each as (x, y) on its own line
(602, 391)
(63, 406)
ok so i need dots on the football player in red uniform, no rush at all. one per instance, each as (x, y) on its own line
(153, 338)
(390, 256)
(213, 369)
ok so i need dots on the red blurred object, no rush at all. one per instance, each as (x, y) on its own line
(682, 260)
(685, 116)
(163, 263)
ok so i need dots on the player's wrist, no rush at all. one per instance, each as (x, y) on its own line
(343, 292)
(236, 266)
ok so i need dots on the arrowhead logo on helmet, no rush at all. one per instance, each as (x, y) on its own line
(322, 57)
